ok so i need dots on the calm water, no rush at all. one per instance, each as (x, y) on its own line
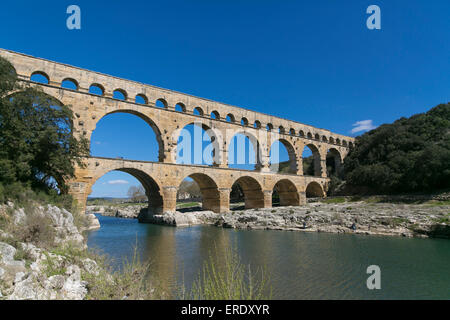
(301, 265)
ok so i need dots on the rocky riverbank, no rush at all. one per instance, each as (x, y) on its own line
(118, 211)
(417, 220)
(43, 253)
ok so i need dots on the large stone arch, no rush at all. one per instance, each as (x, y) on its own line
(152, 186)
(147, 119)
(288, 192)
(293, 158)
(211, 197)
(253, 192)
(215, 135)
(255, 143)
(314, 190)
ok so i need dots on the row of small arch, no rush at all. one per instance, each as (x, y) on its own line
(121, 94)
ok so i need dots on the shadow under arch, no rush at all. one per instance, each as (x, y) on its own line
(287, 192)
(293, 160)
(209, 190)
(333, 161)
(314, 190)
(215, 136)
(253, 194)
(256, 147)
(316, 169)
(148, 120)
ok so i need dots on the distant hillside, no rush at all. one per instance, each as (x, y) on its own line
(409, 155)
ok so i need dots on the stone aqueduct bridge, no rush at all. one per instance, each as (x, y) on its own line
(162, 179)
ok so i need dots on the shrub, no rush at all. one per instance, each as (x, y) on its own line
(36, 229)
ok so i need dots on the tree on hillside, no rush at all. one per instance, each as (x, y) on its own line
(137, 194)
(409, 155)
(189, 189)
(37, 147)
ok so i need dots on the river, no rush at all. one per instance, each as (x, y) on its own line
(301, 265)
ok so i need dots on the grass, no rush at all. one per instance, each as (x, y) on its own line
(187, 204)
(53, 266)
(133, 281)
(221, 277)
(23, 196)
(435, 203)
(335, 200)
(395, 221)
(224, 277)
(445, 219)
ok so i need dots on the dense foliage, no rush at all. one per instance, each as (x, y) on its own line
(37, 148)
(409, 155)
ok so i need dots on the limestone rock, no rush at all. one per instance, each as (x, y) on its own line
(94, 224)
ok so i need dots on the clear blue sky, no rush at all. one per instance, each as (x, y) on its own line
(311, 61)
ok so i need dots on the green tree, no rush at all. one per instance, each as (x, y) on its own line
(37, 147)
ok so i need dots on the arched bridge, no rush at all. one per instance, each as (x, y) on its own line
(93, 95)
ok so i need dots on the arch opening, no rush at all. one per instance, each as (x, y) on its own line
(141, 99)
(97, 89)
(230, 118)
(161, 103)
(40, 77)
(334, 161)
(198, 144)
(314, 190)
(282, 157)
(198, 111)
(311, 161)
(128, 185)
(285, 193)
(198, 189)
(247, 193)
(180, 107)
(119, 94)
(138, 138)
(244, 152)
(70, 84)
(215, 115)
